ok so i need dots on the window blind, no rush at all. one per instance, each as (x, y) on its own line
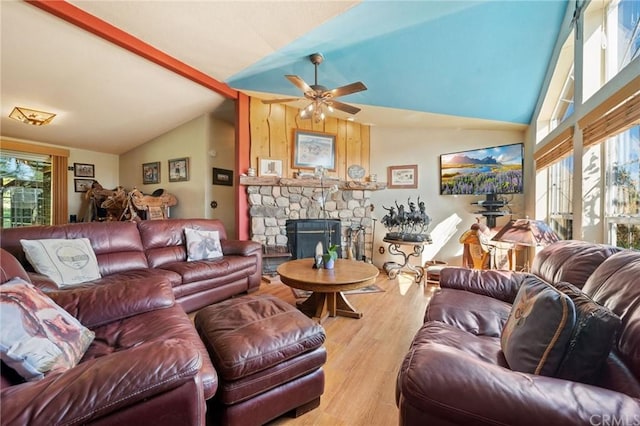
(556, 149)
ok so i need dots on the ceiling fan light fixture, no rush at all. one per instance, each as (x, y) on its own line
(31, 116)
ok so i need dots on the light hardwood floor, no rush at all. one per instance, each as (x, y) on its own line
(363, 355)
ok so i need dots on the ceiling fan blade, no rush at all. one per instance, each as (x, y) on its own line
(348, 89)
(299, 83)
(350, 109)
(277, 101)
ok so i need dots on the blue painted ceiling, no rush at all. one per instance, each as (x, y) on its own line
(478, 59)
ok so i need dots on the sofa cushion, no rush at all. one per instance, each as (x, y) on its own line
(202, 244)
(592, 339)
(471, 312)
(66, 262)
(38, 336)
(535, 337)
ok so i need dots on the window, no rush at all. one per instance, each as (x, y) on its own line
(611, 41)
(622, 158)
(25, 181)
(34, 160)
(560, 196)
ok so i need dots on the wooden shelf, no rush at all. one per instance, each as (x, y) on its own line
(312, 183)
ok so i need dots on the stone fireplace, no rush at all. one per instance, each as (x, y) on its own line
(273, 201)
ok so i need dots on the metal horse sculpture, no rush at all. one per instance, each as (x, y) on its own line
(407, 224)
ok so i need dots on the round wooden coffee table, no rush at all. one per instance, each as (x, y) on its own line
(327, 285)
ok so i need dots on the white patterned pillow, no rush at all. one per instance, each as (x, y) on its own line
(66, 262)
(202, 244)
(37, 336)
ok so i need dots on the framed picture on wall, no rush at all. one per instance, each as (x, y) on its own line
(179, 170)
(151, 173)
(402, 176)
(269, 167)
(313, 149)
(82, 185)
(83, 170)
(222, 177)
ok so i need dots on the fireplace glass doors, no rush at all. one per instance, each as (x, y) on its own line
(304, 235)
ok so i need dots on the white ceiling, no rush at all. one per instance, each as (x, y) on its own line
(110, 100)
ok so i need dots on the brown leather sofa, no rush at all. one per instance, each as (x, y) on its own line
(151, 251)
(146, 364)
(456, 373)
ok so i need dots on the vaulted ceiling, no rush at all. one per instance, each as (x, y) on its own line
(465, 64)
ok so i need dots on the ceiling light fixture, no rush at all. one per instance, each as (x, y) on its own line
(31, 116)
(315, 110)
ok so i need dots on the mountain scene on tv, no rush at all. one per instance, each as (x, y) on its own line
(496, 170)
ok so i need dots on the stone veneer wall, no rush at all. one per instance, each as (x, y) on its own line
(272, 206)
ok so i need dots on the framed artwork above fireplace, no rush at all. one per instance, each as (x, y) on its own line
(313, 149)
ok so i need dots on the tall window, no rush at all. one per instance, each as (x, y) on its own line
(611, 40)
(25, 182)
(622, 158)
(560, 179)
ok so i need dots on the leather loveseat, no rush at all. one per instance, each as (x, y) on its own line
(456, 372)
(151, 251)
(145, 365)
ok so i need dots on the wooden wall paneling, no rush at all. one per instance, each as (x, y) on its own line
(292, 123)
(259, 113)
(331, 127)
(341, 149)
(365, 157)
(354, 145)
(278, 133)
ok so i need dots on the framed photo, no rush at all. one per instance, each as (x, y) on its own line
(151, 173)
(179, 170)
(222, 177)
(83, 170)
(313, 149)
(82, 185)
(402, 176)
(269, 167)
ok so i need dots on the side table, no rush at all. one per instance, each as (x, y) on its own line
(415, 250)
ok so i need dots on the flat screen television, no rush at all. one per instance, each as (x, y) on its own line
(483, 171)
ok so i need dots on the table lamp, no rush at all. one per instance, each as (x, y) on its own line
(528, 233)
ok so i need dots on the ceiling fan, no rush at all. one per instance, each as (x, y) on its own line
(319, 95)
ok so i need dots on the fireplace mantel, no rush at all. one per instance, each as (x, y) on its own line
(311, 183)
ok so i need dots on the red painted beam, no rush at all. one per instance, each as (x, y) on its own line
(243, 151)
(97, 26)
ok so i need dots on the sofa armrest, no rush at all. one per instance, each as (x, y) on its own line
(95, 305)
(102, 385)
(241, 248)
(433, 377)
(499, 284)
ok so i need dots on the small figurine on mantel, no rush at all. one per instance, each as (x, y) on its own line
(410, 225)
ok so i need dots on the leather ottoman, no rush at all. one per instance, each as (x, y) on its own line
(268, 356)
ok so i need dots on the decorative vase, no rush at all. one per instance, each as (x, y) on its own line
(328, 264)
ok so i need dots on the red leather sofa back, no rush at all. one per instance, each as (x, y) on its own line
(164, 241)
(117, 245)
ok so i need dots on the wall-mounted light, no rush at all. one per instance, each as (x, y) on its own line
(31, 116)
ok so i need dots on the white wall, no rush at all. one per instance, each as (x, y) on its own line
(207, 142)
(189, 140)
(106, 173)
(403, 146)
(222, 156)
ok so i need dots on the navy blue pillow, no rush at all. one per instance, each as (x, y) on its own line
(537, 333)
(592, 339)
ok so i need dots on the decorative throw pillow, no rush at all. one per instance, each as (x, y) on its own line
(592, 339)
(66, 262)
(202, 244)
(537, 332)
(37, 336)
